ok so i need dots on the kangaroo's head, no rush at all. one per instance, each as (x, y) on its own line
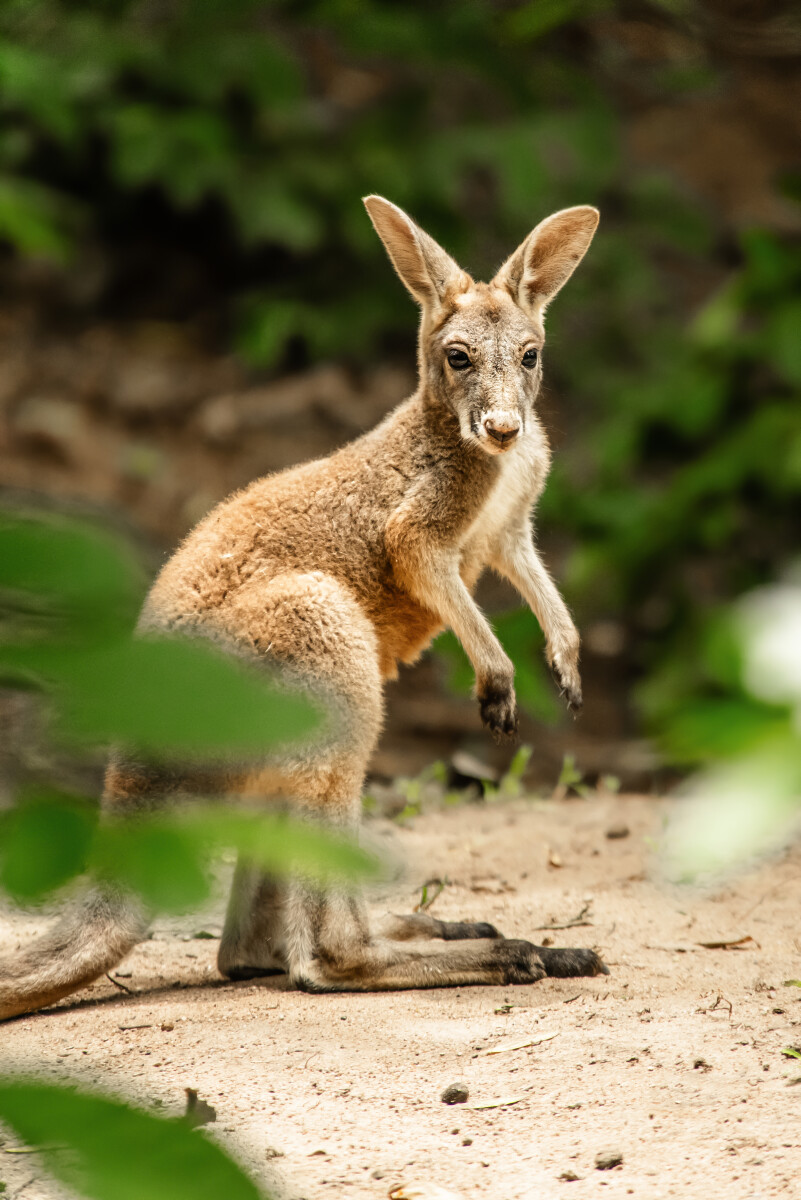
(480, 344)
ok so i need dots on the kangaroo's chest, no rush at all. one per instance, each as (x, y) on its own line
(513, 493)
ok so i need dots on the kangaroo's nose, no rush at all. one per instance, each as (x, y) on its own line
(502, 430)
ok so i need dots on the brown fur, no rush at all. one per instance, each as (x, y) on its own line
(336, 571)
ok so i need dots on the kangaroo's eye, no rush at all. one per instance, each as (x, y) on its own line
(458, 359)
(530, 358)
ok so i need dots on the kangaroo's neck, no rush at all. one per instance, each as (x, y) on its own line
(423, 437)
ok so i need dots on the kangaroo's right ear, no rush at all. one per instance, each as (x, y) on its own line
(426, 269)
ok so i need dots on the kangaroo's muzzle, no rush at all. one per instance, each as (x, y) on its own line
(502, 428)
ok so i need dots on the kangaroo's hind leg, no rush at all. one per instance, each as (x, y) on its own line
(415, 927)
(252, 940)
(315, 632)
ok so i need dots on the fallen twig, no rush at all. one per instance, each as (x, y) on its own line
(500, 1103)
(573, 922)
(735, 944)
(128, 991)
(720, 1002)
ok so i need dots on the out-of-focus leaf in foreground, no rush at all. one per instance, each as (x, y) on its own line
(165, 858)
(733, 812)
(748, 804)
(86, 580)
(45, 840)
(114, 1152)
(48, 838)
(69, 594)
(165, 694)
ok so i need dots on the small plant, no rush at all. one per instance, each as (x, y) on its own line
(570, 779)
(511, 783)
(427, 898)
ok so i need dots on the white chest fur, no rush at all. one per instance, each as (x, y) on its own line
(517, 487)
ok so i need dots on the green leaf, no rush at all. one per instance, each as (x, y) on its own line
(716, 325)
(45, 840)
(285, 845)
(569, 776)
(537, 17)
(783, 336)
(165, 864)
(165, 858)
(87, 576)
(742, 808)
(512, 782)
(722, 728)
(166, 696)
(265, 327)
(115, 1152)
(34, 219)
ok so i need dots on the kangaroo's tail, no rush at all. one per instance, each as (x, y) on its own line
(82, 945)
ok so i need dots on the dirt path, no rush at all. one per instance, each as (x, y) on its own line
(674, 1060)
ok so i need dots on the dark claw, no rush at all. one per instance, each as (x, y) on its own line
(574, 701)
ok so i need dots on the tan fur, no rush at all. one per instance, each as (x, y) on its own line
(334, 572)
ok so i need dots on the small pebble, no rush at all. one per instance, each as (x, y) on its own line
(701, 1064)
(617, 831)
(455, 1093)
(467, 1141)
(568, 1177)
(607, 1159)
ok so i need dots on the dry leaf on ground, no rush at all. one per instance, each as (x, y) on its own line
(507, 1047)
(421, 1191)
(500, 1103)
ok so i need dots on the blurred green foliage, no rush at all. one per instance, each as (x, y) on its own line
(68, 597)
(746, 738)
(106, 1150)
(677, 484)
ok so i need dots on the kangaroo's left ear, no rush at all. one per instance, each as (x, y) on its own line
(548, 257)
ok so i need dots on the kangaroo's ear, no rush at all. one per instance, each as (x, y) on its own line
(426, 269)
(548, 257)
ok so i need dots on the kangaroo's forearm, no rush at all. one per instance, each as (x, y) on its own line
(519, 562)
(521, 565)
(433, 580)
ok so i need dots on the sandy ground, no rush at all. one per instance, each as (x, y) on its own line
(674, 1060)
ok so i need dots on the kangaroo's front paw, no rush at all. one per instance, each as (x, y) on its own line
(499, 711)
